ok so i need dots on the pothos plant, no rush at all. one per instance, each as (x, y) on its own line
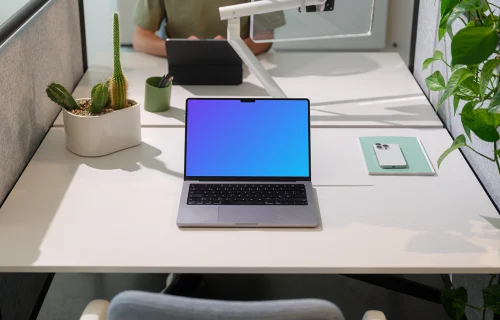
(455, 300)
(474, 71)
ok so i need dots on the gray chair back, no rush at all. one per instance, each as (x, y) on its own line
(135, 305)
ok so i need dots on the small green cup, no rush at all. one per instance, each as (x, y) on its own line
(157, 99)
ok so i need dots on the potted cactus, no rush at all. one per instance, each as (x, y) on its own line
(106, 122)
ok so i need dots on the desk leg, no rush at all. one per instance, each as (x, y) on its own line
(184, 284)
(41, 297)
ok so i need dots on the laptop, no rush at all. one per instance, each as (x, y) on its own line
(247, 164)
(203, 62)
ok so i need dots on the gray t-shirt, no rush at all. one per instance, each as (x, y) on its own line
(198, 18)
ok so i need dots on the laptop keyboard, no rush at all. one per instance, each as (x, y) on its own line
(247, 194)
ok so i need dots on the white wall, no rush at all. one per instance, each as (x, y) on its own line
(99, 26)
(399, 28)
(9, 7)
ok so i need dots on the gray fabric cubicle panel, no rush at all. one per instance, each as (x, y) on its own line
(46, 48)
(426, 44)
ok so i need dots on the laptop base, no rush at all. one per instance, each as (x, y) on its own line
(248, 216)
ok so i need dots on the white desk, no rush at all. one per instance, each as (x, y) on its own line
(117, 214)
(345, 89)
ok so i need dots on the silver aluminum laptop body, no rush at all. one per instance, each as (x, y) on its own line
(242, 215)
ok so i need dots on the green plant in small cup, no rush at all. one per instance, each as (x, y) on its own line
(474, 71)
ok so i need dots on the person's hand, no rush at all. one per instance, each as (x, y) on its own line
(219, 37)
(193, 38)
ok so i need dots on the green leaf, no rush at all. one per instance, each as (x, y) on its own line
(468, 107)
(458, 143)
(456, 101)
(464, 97)
(467, 131)
(473, 68)
(449, 30)
(482, 123)
(486, 74)
(446, 9)
(490, 23)
(457, 66)
(456, 78)
(438, 55)
(491, 297)
(447, 6)
(463, 8)
(471, 23)
(473, 45)
(454, 301)
(443, 26)
(469, 87)
(495, 103)
(498, 152)
(435, 82)
(496, 119)
(441, 33)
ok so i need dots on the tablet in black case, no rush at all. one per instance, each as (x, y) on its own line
(203, 62)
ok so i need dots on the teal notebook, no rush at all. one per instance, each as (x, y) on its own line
(413, 151)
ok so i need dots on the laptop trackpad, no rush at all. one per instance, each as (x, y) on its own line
(247, 214)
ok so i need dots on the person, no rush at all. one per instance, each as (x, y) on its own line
(194, 19)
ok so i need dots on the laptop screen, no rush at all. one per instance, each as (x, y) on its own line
(247, 138)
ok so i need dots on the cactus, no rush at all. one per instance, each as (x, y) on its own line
(61, 96)
(100, 98)
(117, 82)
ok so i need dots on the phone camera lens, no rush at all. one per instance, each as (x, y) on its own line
(379, 147)
(385, 145)
(378, 144)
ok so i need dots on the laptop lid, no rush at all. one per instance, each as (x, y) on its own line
(247, 140)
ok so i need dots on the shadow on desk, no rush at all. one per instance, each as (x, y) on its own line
(131, 160)
(319, 64)
(444, 235)
(399, 110)
(401, 115)
(245, 89)
(175, 112)
(29, 219)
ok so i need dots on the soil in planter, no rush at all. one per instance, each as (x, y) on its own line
(85, 106)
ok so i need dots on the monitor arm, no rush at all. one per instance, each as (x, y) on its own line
(233, 14)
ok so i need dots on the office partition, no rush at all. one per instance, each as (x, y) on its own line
(40, 43)
(426, 43)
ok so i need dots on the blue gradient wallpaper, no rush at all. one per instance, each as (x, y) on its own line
(265, 138)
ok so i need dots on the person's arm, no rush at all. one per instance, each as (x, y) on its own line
(257, 48)
(148, 42)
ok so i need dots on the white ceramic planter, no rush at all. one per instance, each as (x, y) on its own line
(96, 136)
